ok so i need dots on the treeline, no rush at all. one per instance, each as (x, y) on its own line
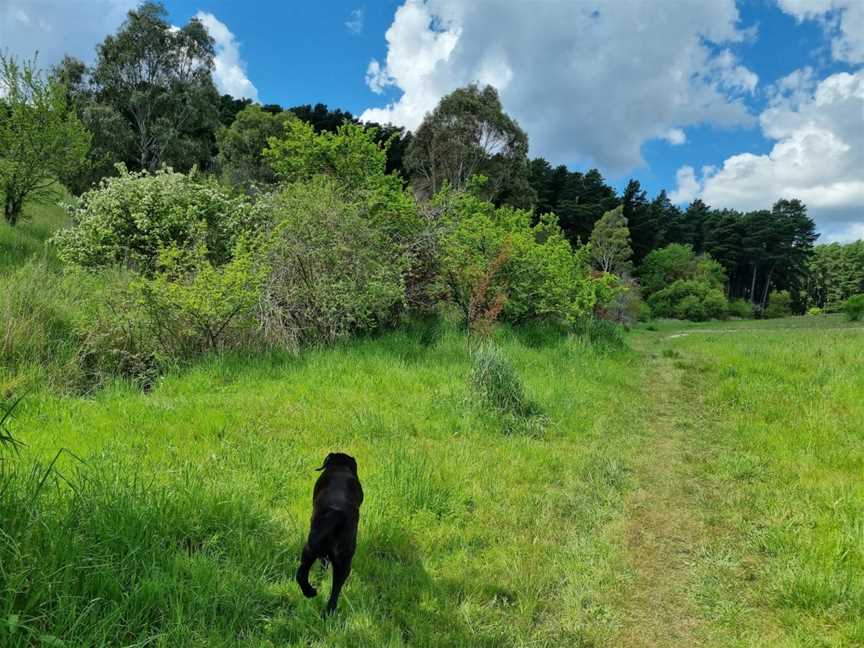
(148, 102)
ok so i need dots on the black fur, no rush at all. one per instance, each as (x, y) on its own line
(336, 503)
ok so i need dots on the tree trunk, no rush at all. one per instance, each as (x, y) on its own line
(753, 286)
(767, 286)
(12, 210)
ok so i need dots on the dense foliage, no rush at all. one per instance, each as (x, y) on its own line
(835, 273)
(131, 217)
(536, 272)
(678, 283)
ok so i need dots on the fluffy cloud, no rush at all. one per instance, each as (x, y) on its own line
(842, 19)
(589, 81)
(229, 73)
(688, 186)
(58, 27)
(818, 155)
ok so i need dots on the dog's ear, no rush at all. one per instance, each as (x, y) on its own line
(326, 461)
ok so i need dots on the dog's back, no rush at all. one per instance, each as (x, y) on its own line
(336, 501)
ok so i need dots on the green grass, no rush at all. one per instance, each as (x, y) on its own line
(782, 478)
(27, 239)
(186, 518)
(692, 484)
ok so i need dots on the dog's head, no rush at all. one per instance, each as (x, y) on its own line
(339, 459)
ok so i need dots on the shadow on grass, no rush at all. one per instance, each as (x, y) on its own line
(390, 599)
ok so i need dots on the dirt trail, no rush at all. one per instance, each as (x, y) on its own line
(661, 526)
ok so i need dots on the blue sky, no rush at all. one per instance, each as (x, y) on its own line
(738, 103)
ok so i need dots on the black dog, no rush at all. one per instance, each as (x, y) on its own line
(335, 515)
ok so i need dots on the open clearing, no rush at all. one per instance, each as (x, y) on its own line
(698, 490)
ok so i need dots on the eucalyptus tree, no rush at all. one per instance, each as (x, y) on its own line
(468, 134)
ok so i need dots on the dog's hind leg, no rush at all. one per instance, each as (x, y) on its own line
(306, 561)
(341, 570)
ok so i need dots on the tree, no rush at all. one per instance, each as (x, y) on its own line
(665, 266)
(610, 242)
(41, 138)
(241, 146)
(469, 134)
(157, 79)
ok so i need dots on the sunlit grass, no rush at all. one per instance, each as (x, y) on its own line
(784, 411)
(188, 513)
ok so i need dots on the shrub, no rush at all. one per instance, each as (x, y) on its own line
(715, 304)
(194, 307)
(119, 342)
(665, 266)
(779, 304)
(130, 218)
(691, 308)
(75, 330)
(334, 271)
(689, 299)
(625, 306)
(740, 308)
(599, 334)
(814, 311)
(496, 383)
(542, 277)
(854, 307)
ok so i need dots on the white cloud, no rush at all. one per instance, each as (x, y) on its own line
(589, 81)
(688, 186)
(734, 77)
(675, 136)
(377, 78)
(842, 19)
(355, 21)
(818, 155)
(58, 27)
(229, 73)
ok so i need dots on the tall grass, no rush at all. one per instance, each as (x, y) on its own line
(182, 523)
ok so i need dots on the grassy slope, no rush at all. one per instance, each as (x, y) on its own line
(26, 240)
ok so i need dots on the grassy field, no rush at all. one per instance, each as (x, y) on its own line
(699, 487)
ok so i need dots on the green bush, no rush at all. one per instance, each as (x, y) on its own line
(334, 271)
(779, 304)
(689, 299)
(814, 311)
(129, 219)
(73, 330)
(740, 308)
(715, 304)
(854, 308)
(599, 334)
(193, 307)
(534, 265)
(691, 308)
(665, 266)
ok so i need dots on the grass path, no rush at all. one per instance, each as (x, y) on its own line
(662, 527)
